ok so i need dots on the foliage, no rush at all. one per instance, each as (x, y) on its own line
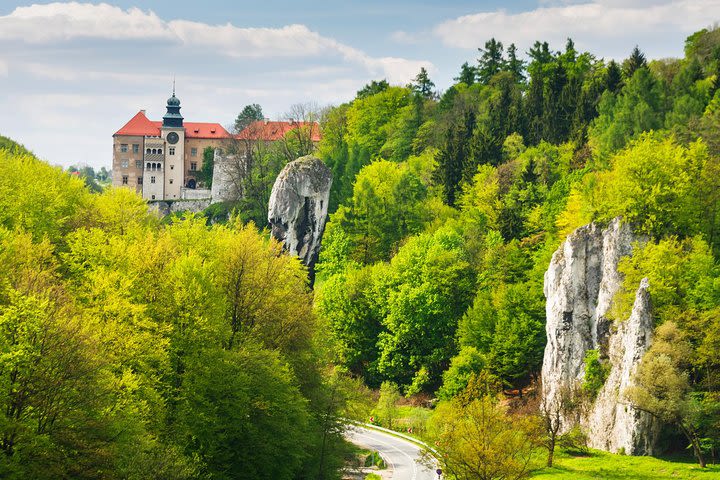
(596, 373)
(480, 440)
(249, 114)
(662, 385)
(653, 186)
(387, 409)
(463, 366)
(134, 348)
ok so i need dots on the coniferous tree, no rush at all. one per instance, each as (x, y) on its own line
(614, 80)
(491, 61)
(467, 74)
(635, 61)
(515, 65)
(249, 114)
(422, 85)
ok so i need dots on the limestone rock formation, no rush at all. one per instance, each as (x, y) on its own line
(298, 208)
(579, 286)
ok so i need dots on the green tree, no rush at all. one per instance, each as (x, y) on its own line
(467, 74)
(633, 63)
(387, 409)
(638, 108)
(491, 61)
(387, 205)
(478, 439)
(652, 185)
(249, 114)
(427, 289)
(662, 386)
(372, 88)
(422, 85)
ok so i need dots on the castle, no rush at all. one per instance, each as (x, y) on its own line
(163, 160)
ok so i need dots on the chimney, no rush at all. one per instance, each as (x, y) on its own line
(143, 111)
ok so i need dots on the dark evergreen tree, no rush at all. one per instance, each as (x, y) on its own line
(467, 74)
(454, 152)
(500, 115)
(515, 65)
(372, 88)
(614, 80)
(422, 85)
(635, 61)
(491, 61)
(249, 114)
(540, 58)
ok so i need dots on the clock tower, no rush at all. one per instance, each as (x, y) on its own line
(173, 133)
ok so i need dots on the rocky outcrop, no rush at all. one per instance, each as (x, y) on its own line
(579, 286)
(298, 208)
(612, 424)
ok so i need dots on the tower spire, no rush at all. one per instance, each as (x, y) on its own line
(173, 85)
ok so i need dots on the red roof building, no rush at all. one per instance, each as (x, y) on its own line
(163, 160)
(273, 131)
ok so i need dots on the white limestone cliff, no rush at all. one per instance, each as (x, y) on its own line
(579, 286)
(298, 207)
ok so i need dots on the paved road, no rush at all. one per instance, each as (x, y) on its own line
(401, 455)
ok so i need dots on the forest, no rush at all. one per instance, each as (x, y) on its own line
(138, 347)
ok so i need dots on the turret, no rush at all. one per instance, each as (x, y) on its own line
(173, 117)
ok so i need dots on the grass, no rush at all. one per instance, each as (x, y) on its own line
(607, 466)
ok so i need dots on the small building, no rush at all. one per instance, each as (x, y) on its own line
(162, 160)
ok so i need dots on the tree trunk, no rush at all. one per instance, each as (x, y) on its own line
(551, 452)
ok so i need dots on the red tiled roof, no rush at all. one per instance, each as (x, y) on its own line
(205, 130)
(140, 125)
(272, 131)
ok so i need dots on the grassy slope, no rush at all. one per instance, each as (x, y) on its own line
(601, 465)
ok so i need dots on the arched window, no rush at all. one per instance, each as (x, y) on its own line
(160, 151)
(148, 151)
(154, 151)
(148, 166)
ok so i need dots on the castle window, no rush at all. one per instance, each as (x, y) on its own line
(193, 166)
(138, 164)
(148, 166)
(124, 179)
(172, 150)
(140, 180)
(123, 147)
(154, 151)
(160, 151)
(124, 163)
(148, 151)
(136, 148)
(193, 152)
(152, 179)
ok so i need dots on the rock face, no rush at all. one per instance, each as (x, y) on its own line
(298, 208)
(579, 286)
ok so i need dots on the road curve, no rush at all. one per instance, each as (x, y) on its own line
(402, 456)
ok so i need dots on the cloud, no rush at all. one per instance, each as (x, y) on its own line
(54, 22)
(4, 69)
(65, 21)
(614, 21)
